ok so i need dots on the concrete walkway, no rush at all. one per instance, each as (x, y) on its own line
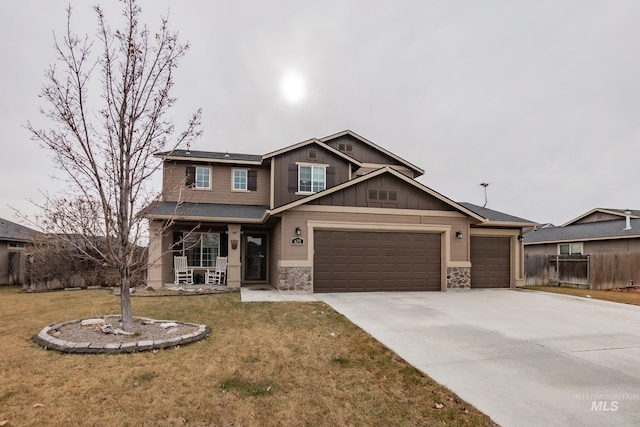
(524, 358)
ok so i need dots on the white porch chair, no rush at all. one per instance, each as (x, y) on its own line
(182, 271)
(218, 275)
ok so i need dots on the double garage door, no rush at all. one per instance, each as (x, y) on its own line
(359, 261)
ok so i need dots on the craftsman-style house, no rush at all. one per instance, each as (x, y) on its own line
(334, 214)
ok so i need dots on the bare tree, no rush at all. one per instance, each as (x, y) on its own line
(106, 145)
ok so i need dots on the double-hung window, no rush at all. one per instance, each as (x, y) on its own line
(240, 180)
(311, 179)
(203, 177)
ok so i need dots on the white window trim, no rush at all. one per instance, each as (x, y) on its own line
(312, 165)
(195, 178)
(570, 244)
(246, 181)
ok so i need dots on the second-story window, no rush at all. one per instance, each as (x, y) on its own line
(240, 179)
(203, 177)
(311, 179)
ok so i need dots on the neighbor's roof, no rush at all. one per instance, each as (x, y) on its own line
(211, 156)
(498, 217)
(601, 230)
(15, 232)
(206, 211)
(619, 212)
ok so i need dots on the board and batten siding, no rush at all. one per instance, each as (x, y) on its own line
(221, 185)
(366, 154)
(282, 192)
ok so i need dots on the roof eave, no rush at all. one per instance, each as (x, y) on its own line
(410, 165)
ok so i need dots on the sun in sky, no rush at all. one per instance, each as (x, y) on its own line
(292, 86)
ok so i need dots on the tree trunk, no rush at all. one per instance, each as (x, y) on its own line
(125, 302)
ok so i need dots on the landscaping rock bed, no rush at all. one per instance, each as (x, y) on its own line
(78, 336)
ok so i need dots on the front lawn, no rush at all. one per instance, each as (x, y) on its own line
(264, 364)
(627, 296)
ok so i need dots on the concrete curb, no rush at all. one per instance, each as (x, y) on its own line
(49, 342)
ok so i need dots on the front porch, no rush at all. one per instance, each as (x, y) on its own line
(246, 247)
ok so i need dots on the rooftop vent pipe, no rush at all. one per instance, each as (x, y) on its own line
(628, 218)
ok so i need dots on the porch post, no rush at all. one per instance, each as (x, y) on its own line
(234, 270)
(155, 255)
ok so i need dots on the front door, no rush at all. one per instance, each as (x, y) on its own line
(255, 257)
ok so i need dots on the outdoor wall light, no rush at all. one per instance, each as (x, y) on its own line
(298, 231)
(234, 244)
(520, 237)
(459, 234)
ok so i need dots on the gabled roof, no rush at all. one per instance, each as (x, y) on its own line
(206, 212)
(410, 165)
(617, 212)
(15, 232)
(600, 230)
(498, 218)
(211, 156)
(373, 174)
(309, 142)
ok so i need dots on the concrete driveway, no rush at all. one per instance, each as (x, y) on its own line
(524, 358)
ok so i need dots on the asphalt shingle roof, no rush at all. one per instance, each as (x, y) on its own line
(492, 215)
(15, 232)
(209, 210)
(586, 231)
(213, 155)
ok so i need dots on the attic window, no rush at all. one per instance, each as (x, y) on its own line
(383, 195)
(345, 148)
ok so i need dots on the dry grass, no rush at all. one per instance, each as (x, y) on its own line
(264, 364)
(623, 296)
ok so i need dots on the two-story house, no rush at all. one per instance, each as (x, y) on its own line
(333, 214)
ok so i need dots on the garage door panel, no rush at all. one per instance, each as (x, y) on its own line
(358, 261)
(490, 262)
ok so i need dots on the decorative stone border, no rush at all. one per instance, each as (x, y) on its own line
(50, 342)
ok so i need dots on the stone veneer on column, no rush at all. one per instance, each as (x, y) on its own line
(295, 279)
(458, 278)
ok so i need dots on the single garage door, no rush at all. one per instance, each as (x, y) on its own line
(359, 261)
(490, 262)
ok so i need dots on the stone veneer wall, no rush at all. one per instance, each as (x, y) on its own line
(458, 278)
(295, 279)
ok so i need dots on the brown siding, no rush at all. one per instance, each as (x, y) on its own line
(281, 170)
(293, 218)
(174, 185)
(592, 247)
(363, 152)
(275, 253)
(407, 196)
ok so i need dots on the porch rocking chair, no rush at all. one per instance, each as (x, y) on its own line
(183, 272)
(218, 275)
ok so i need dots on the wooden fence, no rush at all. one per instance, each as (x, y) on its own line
(597, 271)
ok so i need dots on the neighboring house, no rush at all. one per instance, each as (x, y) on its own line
(598, 231)
(14, 240)
(334, 214)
